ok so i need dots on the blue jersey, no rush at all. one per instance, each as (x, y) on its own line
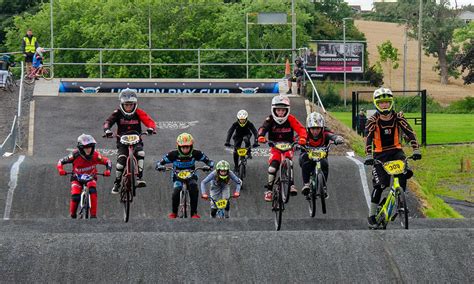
(188, 162)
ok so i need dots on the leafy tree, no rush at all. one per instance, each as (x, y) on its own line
(389, 56)
(464, 58)
(439, 22)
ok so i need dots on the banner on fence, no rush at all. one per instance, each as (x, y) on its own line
(169, 87)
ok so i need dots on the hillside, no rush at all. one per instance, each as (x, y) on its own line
(378, 32)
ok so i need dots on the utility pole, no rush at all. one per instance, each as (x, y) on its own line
(51, 53)
(293, 30)
(420, 40)
(344, 50)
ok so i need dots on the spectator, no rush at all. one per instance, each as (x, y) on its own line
(311, 58)
(5, 63)
(297, 77)
(361, 121)
(29, 45)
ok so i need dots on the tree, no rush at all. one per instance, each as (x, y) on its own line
(439, 22)
(465, 58)
(389, 56)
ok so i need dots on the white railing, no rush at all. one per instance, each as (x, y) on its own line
(314, 92)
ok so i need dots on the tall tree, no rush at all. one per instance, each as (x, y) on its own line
(439, 23)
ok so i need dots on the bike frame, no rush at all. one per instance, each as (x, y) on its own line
(220, 211)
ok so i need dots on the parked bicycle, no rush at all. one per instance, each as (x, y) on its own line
(43, 72)
(85, 202)
(128, 183)
(318, 183)
(395, 203)
(283, 181)
(10, 83)
(184, 176)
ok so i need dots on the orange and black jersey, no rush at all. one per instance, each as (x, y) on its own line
(384, 132)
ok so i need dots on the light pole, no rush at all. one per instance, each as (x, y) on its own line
(344, 40)
(420, 39)
(52, 38)
(293, 31)
(405, 48)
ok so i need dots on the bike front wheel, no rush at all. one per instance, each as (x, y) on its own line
(29, 79)
(183, 204)
(242, 170)
(321, 192)
(278, 205)
(46, 73)
(312, 199)
(85, 206)
(402, 209)
(125, 199)
(285, 178)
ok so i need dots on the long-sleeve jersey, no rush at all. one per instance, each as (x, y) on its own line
(185, 162)
(83, 166)
(127, 124)
(323, 139)
(212, 177)
(383, 132)
(247, 129)
(282, 132)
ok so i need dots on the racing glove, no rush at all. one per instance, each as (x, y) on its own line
(227, 144)
(416, 155)
(369, 160)
(107, 173)
(109, 133)
(150, 131)
(302, 141)
(62, 172)
(236, 194)
(262, 139)
(205, 196)
(339, 140)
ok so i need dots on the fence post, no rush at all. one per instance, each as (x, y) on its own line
(149, 62)
(20, 99)
(199, 63)
(423, 118)
(355, 101)
(100, 62)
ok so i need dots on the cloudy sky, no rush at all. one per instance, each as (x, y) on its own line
(367, 4)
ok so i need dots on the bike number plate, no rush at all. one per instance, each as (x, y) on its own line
(130, 139)
(394, 167)
(184, 174)
(283, 146)
(221, 204)
(242, 152)
(316, 154)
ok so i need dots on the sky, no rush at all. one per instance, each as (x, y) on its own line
(367, 4)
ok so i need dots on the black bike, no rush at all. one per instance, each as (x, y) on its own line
(242, 152)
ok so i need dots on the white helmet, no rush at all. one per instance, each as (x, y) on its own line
(383, 95)
(128, 96)
(40, 51)
(242, 114)
(315, 119)
(280, 101)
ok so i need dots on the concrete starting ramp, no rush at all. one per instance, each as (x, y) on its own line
(39, 243)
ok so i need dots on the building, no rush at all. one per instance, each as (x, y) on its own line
(466, 16)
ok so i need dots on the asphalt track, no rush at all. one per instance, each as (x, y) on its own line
(40, 244)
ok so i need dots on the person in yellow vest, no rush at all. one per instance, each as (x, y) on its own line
(29, 45)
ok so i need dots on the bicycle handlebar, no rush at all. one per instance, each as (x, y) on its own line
(376, 161)
(204, 169)
(115, 135)
(73, 173)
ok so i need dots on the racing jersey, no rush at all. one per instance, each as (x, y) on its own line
(282, 132)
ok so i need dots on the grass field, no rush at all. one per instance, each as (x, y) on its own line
(439, 175)
(441, 128)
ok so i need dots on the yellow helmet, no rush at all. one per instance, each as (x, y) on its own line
(383, 95)
(184, 139)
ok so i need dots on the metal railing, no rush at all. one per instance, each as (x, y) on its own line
(13, 139)
(198, 63)
(314, 91)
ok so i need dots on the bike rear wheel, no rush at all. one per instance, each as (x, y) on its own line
(285, 178)
(402, 209)
(242, 170)
(278, 205)
(125, 198)
(321, 192)
(85, 206)
(29, 78)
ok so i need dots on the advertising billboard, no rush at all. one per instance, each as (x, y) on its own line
(330, 57)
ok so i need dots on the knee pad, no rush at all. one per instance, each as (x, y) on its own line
(92, 190)
(76, 197)
(272, 170)
(140, 155)
(121, 159)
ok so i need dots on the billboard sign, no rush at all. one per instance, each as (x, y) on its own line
(330, 57)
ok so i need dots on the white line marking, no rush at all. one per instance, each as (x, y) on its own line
(363, 179)
(12, 185)
(31, 130)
